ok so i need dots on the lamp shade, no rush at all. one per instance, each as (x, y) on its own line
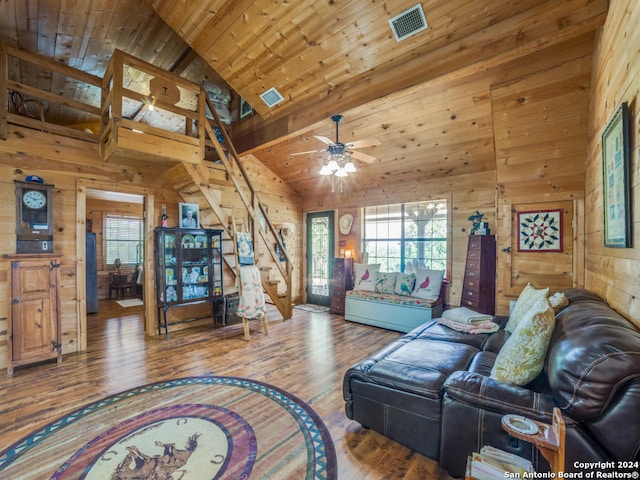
(325, 170)
(349, 167)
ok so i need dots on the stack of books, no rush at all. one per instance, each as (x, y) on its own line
(492, 463)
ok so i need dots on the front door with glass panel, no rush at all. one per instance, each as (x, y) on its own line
(320, 254)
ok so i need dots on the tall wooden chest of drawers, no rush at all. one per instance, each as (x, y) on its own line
(479, 286)
(341, 281)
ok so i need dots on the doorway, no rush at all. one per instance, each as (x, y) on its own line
(320, 255)
(120, 194)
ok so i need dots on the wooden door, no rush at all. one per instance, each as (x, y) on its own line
(320, 255)
(35, 322)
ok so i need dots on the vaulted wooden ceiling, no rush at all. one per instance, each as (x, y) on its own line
(426, 98)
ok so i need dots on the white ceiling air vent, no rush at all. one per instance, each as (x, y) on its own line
(271, 97)
(408, 23)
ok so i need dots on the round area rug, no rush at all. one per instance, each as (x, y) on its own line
(196, 428)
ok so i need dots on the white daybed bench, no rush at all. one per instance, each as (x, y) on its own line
(390, 311)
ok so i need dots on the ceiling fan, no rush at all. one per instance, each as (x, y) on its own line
(339, 151)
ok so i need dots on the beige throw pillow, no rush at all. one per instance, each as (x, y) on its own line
(522, 356)
(525, 301)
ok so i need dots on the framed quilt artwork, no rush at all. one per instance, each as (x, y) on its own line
(616, 150)
(540, 231)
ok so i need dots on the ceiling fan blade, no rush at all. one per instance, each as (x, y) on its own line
(361, 156)
(307, 153)
(326, 140)
(367, 142)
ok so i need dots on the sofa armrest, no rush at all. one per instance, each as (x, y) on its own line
(474, 403)
(501, 320)
(486, 393)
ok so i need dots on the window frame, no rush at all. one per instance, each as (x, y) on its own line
(404, 239)
(138, 256)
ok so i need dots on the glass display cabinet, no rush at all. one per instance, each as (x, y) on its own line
(188, 269)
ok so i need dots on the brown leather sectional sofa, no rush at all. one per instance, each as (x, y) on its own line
(431, 390)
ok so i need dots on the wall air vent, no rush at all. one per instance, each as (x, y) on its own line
(408, 23)
(271, 97)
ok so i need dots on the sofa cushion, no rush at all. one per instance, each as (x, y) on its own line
(366, 275)
(428, 283)
(522, 357)
(386, 282)
(404, 284)
(528, 297)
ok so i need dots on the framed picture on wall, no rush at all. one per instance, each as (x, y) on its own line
(616, 151)
(245, 110)
(540, 231)
(189, 215)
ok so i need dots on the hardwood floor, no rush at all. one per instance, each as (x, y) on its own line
(306, 356)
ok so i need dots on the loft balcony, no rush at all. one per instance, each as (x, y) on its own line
(145, 114)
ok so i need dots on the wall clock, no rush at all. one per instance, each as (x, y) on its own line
(34, 217)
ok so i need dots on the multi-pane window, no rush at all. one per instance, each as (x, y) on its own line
(123, 237)
(396, 235)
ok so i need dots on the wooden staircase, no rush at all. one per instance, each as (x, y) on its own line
(203, 184)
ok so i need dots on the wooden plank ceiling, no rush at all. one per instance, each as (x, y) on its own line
(424, 98)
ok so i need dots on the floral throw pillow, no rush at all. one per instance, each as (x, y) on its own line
(528, 297)
(386, 282)
(522, 356)
(428, 283)
(404, 284)
(365, 276)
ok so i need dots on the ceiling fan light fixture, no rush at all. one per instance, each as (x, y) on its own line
(333, 165)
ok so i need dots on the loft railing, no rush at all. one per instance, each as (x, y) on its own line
(31, 106)
(178, 102)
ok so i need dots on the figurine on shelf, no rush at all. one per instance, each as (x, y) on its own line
(476, 221)
(165, 217)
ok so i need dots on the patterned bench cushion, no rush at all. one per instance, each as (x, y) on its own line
(393, 299)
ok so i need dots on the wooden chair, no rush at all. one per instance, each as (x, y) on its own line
(251, 302)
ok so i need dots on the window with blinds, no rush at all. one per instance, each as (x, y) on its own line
(123, 239)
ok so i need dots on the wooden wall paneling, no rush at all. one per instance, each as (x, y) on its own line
(149, 287)
(615, 79)
(540, 124)
(578, 243)
(81, 266)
